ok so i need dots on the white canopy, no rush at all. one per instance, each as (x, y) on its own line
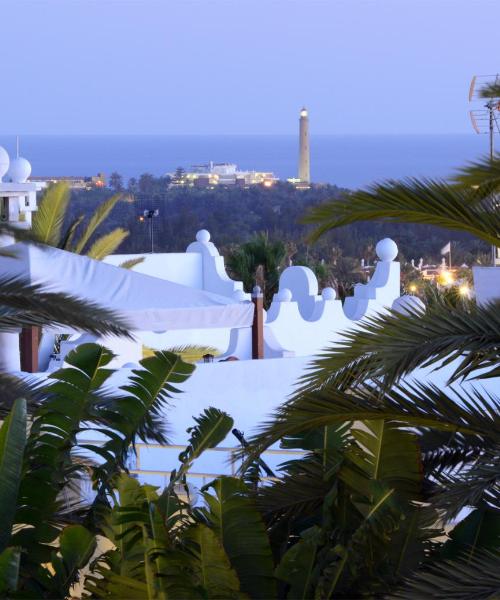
(146, 303)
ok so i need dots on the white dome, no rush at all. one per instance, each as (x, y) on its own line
(329, 293)
(284, 295)
(408, 305)
(386, 250)
(203, 236)
(4, 162)
(19, 170)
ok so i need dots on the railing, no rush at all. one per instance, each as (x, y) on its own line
(204, 476)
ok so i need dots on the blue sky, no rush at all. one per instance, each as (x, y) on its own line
(243, 66)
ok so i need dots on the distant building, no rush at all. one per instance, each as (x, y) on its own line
(226, 174)
(75, 182)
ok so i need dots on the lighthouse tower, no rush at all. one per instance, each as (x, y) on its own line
(304, 154)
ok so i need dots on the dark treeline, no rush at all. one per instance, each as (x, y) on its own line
(234, 215)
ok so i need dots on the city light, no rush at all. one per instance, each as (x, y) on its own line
(446, 278)
(413, 288)
(464, 290)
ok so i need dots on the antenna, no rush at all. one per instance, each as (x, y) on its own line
(485, 120)
(486, 89)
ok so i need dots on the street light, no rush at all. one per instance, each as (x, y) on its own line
(150, 214)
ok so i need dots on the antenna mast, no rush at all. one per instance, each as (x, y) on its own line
(487, 87)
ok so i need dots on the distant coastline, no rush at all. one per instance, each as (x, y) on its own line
(345, 160)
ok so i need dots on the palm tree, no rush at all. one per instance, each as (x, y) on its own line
(258, 262)
(48, 223)
(366, 379)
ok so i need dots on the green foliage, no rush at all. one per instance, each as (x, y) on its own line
(48, 220)
(213, 572)
(461, 579)
(107, 244)
(9, 571)
(233, 516)
(392, 345)
(12, 443)
(99, 216)
(258, 262)
(131, 263)
(456, 207)
(52, 213)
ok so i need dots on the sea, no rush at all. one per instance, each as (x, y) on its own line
(350, 161)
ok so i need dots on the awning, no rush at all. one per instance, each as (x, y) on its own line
(146, 303)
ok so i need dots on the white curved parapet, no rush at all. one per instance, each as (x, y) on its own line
(301, 322)
(382, 289)
(214, 276)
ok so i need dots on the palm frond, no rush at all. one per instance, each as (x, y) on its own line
(392, 345)
(471, 485)
(131, 262)
(107, 244)
(65, 243)
(442, 451)
(490, 90)
(25, 304)
(479, 173)
(49, 218)
(100, 214)
(416, 405)
(12, 388)
(429, 202)
(462, 579)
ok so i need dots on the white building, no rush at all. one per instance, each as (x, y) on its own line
(225, 174)
(17, 194)
(188, 298)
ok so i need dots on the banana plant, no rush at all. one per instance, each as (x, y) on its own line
(44, 539)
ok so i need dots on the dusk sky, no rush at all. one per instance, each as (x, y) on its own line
(243, 66)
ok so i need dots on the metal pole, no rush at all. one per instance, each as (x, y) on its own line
(490, 107)
(152, 234)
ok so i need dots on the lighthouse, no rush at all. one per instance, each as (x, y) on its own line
(304, 154)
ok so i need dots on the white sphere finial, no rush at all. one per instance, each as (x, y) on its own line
(386, 250)
(328, 293)
(4, 162)
(284, 295)
(203, 236)
(19, 170)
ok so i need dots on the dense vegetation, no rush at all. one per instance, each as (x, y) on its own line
(396, 494)
(233, 216)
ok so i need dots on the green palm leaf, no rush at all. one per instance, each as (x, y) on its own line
(131, 262)
(472, 483)
(9, 571)
(49, 218)
(212, 426)
(12, 444)
(107, 244)
(482, 172)
(65, 243)
(148, 392)
(461, 579)
(418, 405)
(234, 518)
(392, 345)
(99, 216)
(213, 572)
(24, 304)
(426, 202)
(76, 546)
